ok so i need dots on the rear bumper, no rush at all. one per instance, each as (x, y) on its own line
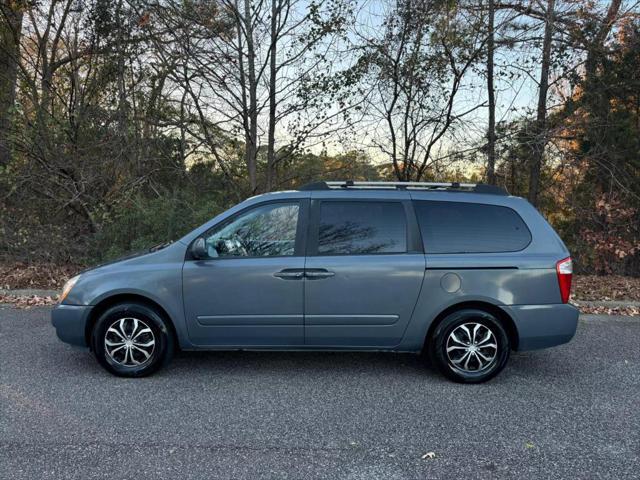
(542, 326)
(70, 322)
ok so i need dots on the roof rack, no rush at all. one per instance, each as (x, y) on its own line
(433, 186)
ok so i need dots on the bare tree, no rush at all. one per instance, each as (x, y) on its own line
(491, 96)
(250, 114)
(273, 93)
(261, 79)
(541, 115)
(415, 73)
(10, 32)
(73, 62)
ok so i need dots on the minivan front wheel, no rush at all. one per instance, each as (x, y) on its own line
(469, 346)
(132, 340)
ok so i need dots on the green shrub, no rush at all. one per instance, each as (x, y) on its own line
(143, 222)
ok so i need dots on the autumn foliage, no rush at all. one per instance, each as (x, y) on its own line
(617, 235)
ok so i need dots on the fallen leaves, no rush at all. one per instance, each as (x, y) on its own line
(604, 288)
(28, 301)
(18, 275)
(626, 310)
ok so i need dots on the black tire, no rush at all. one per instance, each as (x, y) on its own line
(456, 322)
(141, 316)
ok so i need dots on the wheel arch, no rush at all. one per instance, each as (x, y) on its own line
(109, 301)
(502, 316)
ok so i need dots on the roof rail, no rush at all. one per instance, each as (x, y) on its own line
(433, 186)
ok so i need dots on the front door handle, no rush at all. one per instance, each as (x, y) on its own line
(318, 273)
(290, 274)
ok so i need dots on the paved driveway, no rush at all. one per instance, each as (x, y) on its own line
(568, 412)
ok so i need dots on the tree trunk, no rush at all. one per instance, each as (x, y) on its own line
(540, 129)
(271, 143)
(491, 131)
(596, 95)
(251, 136)
(10, 31)
(123, 114)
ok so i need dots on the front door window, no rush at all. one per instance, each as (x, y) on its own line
(265, 231)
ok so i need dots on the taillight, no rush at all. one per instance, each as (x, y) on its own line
(564, 268)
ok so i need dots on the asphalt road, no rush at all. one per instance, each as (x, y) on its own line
(568, 412)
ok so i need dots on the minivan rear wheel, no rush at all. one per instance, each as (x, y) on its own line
(469, 346)
(132, 340)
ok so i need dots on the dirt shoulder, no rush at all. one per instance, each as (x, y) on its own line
(46, 276)
(605, 288)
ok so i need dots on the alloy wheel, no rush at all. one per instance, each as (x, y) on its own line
(472, 347)
(129, 342)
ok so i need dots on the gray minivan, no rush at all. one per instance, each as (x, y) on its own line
(462, 272)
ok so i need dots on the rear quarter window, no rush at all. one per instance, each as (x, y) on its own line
(459, 227)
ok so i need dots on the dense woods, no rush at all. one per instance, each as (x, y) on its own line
(126, 123)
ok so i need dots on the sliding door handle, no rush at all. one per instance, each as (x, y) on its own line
(299, 273)
(290, 274)
(318, 273)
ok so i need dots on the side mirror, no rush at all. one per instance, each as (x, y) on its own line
(199, 249)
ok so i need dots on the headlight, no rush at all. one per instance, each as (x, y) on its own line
(68, 286)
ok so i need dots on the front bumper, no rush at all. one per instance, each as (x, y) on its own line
(70, 322)
(542, 326)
